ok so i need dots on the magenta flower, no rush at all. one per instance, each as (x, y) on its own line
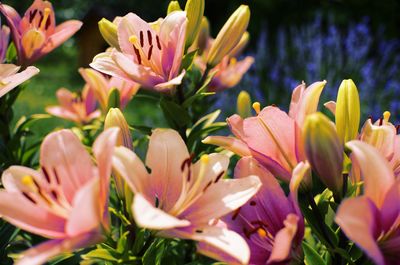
(80, 109)
(181, 199)
(150, 54)
(273, 137)
(102, 87)
(10, 78)
(372, 220)
(36, 34)
(270, 222)
(4, 39)
(66, 201)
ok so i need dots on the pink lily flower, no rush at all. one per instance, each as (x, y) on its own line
(150, 53)
(273, 137)
(4, 39)
(36, 34)
(66, 201)
(270, 222)
(102, 86)
(80, 109)
(372, 220)
(181, 199)
(10, 78)
(383, 136)
(230, 72)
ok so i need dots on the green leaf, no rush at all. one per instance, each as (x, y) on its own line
(311, 257)
(100, 254)
(155, 252)
(11, 54)
(187, 60)
(176, 115)
(113, 99)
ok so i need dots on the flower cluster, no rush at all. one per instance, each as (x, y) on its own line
(285, 188)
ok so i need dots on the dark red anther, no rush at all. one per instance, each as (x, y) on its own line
(32, 15)
(208, 185)
(48, 23)
(219, 176)
(158, 42)
(380, 121)
(149, 38)
(397, 128)
(26, 195)
(235, 214)
(273, 105)
(141, 39)
(54, 194)
(46, 174)
(139, 59)
(253, 203)
(56, 176)
(41, 18)
(149, 54)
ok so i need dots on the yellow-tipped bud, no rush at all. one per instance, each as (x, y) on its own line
(257, 107)
(173, 6)
(115, 118)
(109, 32)
(194, 13)
(324, 151)
(347, 111)
(230, 35)
(241, 45)
(244, 104)
(203, 35)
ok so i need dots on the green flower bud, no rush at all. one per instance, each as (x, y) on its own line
(109, 32)
(194, 13)
(244, 104)
(174, 6)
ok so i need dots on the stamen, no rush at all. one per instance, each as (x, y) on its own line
(47, 12)
(261, 232)
(235, 214)
(386, 116)
(26, 195)
(149, 37)
(41, 17)
(233, 61)
(149, 54)
(207, 186)
(199, 231)
(141, 39)
(137, 55)
(219, 176)
(158, 42)
(380, 121)
(32, 15)
(257, 107)
(397, 128)
(56, 176)
(27, 181)
(46, 174)
(133, 39)
(253, 203)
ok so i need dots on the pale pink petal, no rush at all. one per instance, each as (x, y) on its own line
(96, 83)
(62, 33)
(283, 240)
(166, 86)
(147, 216)
(222, 198)
(17, 79)
(8, 69)
(235, 123)
(166, 153)
(104, 63)
(63, 157)
(391, 206)
(23, 213)
(46, 251)
(331, 106)
(124, 160)
(357, 218)
(103, 150)
(377, 174)
(11, 178)
(13, 21)
(295, 102)
(222, 244)
(229, 143)
(85, 212)
(62, 113)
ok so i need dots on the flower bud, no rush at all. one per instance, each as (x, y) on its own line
(194, 13)
(244, 104)
(347, 111)
(203, 35)
(173, 6)
(230, 35)
(109, 32)
(324, 151)
(241, 45)
(115, 118)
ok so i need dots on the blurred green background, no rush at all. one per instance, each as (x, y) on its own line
(59, 69)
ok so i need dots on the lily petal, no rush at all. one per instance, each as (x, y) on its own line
(62, 33)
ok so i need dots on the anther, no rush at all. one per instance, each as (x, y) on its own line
(28, 197)
(386, 116)
(261, 232)
(235, 214)
(380, 121)
(149, 37)
(149, 54)
(219, 176)
(139, 59)
(141, 39)
(46, 174)
(253, 203)
(47, 12)
(158, 42)
(207, 186)
(257, 107)
(32, 15)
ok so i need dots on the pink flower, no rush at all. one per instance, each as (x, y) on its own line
(36, 34)
(102, 87)
(4, 39)
(372, 220)
(10, 78)
(273, 137)
(66, 201)
(150, 54)
(77, 108)
(270, 222)
(181, 199)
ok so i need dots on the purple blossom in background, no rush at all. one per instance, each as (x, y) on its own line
(321, 50)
